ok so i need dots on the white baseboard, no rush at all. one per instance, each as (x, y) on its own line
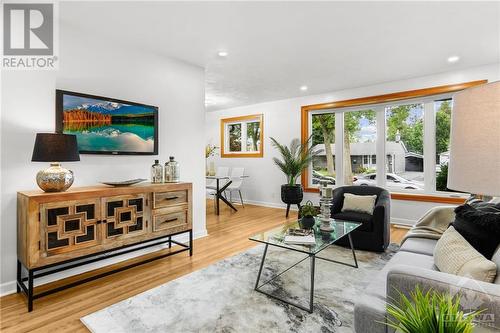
(403, 222)
(7, 288)
(10, 287)
(270, 204)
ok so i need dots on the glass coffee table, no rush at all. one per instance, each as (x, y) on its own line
(275, 237)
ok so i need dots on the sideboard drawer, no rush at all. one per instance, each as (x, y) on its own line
(167, 221)
(166, 199)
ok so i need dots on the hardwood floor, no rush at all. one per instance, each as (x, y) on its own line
(60, 312)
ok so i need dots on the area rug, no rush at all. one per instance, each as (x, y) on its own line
(221, 297)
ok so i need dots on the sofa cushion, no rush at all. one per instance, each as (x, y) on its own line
(365, 219)
(359, 203)
(480, 226)
(454, 255)
(378, 285)
(419, 245)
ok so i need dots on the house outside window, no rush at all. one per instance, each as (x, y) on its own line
(242, 136)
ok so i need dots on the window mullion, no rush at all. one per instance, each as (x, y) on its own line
(381, 138)
(339, 148)
(244, 136)
(429, 147)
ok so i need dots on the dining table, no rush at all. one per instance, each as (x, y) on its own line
(220, 190)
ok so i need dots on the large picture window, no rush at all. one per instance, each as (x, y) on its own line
(398, 141)
(242, 136)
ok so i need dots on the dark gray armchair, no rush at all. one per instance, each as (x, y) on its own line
(374, 233)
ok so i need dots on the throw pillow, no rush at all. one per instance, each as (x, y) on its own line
(454, 255)
(359, 203)
(479, 226)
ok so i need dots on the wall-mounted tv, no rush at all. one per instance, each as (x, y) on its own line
(104, 125)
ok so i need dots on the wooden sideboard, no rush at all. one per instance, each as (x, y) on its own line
(59, 228)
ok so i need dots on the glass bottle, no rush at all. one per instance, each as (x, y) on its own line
(172, 173)
(156, 172)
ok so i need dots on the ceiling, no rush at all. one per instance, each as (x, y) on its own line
(276, 47)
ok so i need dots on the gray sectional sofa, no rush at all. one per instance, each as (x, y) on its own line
(414, 265)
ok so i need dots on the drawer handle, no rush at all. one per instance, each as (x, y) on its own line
(171, 198)
(171, 220)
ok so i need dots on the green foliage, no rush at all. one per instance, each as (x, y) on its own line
(411, 130)
(443, 123)
(295, 158)
(235, 137)
(308, 210)
(429, 312)
(362, 169)
(323, 128)
(352, 119)
(442, 178)
(253, 132)
(324, 172)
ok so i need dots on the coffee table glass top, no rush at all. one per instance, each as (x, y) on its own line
(323, 239)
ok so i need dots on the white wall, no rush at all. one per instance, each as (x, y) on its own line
(282, 121)
(91, 65)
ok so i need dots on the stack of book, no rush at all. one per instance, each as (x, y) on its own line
(300, 237)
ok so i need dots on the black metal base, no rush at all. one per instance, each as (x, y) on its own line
(219, 195)
(312, 258)
(68, 264)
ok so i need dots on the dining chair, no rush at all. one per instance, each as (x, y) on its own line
(237, 176)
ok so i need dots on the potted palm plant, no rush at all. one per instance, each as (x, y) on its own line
(294, 159)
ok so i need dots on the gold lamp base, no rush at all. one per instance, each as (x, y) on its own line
(55, 178)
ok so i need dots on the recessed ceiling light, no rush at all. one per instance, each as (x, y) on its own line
(222, 54)
(303, 88)
(453, 59)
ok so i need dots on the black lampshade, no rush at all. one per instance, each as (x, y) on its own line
(53, 147)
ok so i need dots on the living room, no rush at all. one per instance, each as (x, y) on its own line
(351, 158)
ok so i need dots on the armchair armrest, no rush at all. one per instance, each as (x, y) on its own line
(475, 295)
(337, 200)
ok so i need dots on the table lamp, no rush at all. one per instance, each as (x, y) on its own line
(474, 165)
(55, 148)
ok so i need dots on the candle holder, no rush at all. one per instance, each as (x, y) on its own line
(325, 206)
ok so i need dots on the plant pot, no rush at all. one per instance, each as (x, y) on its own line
(292, 194)
(307, 222)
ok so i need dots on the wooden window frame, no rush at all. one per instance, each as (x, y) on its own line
(224, 121)
(391, 97)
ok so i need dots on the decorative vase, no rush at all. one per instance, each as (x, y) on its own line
(307, 222)
(212, 168)
(207, 169)
(292, 194)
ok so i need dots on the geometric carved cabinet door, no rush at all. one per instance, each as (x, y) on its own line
(124, 216)
(69, 225)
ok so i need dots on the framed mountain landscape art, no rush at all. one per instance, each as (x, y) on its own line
(106, 125)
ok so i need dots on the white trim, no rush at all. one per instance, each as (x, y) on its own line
(10, 286)
(401, 221)
(429, 142)
(381, 140)
(339, 149)
(270, 204)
